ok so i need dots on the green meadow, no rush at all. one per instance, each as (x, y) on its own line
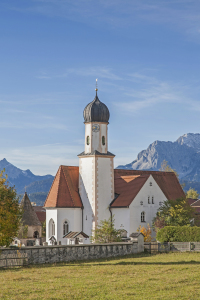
(161, 276)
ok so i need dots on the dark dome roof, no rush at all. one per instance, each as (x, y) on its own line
(96, 111)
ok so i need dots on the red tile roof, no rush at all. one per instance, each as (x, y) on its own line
(40, 212)
(41, 216)
(127, 189)
(191, 201)
(196, 203)
(64, 189)
(167, 181)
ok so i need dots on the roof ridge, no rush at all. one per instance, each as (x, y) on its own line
(52, 187)
(68, 185)
(60, 168)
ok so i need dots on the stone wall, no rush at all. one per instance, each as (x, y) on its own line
(172, 246)
(54, 254)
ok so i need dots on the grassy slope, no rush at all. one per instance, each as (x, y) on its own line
(162, 276)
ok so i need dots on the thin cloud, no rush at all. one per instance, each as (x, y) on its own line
(22, 125)
(119, 13)
(157, 93)
(37, 158)
(100, 72)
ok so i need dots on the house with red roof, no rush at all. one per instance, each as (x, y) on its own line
(81, 197)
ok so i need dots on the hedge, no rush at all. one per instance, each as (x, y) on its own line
(178, 234)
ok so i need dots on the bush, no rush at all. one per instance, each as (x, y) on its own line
(179, 234)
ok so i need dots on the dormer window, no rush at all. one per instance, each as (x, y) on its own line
(150, 183)
(103, 140)
(88, 140)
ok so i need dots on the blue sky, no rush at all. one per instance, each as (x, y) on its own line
(145, 54)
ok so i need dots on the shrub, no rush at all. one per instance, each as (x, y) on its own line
(179, 234)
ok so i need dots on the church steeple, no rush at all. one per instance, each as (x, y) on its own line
(96, 116)
(96, 168)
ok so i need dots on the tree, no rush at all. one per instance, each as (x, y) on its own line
(166, 168)
(44, 228)
(23, 232)
(106, 232)
(191, 193)
(174, 213)
(146, 232)
(10, 212)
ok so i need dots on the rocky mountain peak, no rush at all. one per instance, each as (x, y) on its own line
(183, 155)
(191, 140)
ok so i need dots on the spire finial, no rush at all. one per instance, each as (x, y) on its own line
(96, 86)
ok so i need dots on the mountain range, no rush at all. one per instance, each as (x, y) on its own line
(36, 186)
(183, 155)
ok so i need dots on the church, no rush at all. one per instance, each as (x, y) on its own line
(81, 197)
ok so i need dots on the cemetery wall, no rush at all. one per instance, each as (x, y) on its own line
(55, 254)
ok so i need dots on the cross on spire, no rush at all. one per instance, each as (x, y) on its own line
(96, 87)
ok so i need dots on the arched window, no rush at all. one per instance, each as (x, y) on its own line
(65, 228)
(103, 140)
(51, 228)
(88, 140)
(142, 216)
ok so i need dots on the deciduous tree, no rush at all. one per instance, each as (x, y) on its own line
(166, 168)
(191, 193)
(146, 232)
(10, 212)
(175, 213)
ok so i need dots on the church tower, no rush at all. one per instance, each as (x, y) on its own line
(96, 168)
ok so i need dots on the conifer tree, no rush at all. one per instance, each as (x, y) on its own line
(106, 232)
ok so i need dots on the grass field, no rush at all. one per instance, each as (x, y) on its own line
(162, 276)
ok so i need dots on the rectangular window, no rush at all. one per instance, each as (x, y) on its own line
(148, 199)
(152, 199)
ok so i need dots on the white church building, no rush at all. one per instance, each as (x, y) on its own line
(80, 197)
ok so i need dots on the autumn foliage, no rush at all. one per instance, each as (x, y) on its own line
(10, 213)
(146, 232)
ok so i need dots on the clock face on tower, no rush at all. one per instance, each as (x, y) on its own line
(95, 127)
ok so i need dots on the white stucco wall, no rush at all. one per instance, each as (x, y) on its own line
(105, 187)
(122, 219)
(96, 188)
(51, 213)
(59, 215)
(86, 188)
(150, 209)
(73, 216)
(96, 138)
(88, 132)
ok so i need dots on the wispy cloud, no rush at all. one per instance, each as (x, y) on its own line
(100, 72)
(152, 91)
(39, 125)
(185, 14)
(42, 159)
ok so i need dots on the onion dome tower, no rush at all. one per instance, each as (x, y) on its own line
(96, 171)
(96, 111)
